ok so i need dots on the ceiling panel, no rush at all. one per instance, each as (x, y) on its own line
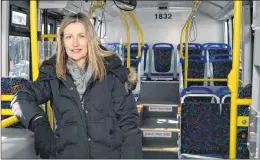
(221, 3)
(155, 4)
(209, 9)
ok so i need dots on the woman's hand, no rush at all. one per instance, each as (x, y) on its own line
(44, 138)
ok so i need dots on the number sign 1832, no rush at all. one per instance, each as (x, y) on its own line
(163, 16)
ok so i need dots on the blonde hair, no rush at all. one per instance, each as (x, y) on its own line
(95, 55)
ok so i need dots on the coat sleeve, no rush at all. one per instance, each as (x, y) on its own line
(128, 118)
(25, 103)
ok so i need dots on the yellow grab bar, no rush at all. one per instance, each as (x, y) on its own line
(34, 39)
(233, 79)
(194, 6)
(96, 5)
(211, 80)
(9, 121)
(128, 63)
(7, 112)
(6, 97)
(50, 115)
(186, 62)
(244, 101)
(49, 36)
(138, 32)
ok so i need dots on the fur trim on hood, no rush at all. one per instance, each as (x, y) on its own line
(132, 76)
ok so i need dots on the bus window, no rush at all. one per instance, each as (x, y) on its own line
(18, 57)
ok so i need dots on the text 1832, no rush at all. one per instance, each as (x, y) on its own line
(163, 16)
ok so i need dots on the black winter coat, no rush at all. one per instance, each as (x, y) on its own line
(105, 124)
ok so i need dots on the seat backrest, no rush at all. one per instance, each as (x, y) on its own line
(196, 68)
(221, 66)
(197, 90)
(217, 48)
(144, 50)
(162, 56)
(112, 46)
(193, 48)
(200, 128)
(134, 53)
(9, 86)
(242, 132)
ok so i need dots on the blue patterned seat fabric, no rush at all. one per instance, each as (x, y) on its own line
(200, 128)
(193, 48)
(134, 53)
(162, 59)
(196, 68)
(9, 86)
(217, 48)
(205, 130)
(242, 132)
(222, 65)
(196, 90)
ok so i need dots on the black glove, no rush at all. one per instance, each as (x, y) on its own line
(43, 136)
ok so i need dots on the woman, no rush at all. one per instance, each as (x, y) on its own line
(96, 114)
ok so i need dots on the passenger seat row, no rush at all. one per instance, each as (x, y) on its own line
(163, 64)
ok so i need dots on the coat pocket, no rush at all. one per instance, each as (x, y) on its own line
(105, 132)
(67, 138)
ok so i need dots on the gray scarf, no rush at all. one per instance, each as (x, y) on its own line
(80, 76)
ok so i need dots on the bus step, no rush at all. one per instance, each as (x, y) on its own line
(160, 153)
(160, 111)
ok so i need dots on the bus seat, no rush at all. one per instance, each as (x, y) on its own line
(220, 66)
(9, 86)
(140, 64)
(224, 94)
(144, 65)
(217, 48)
(200, 127)
(133, 53)
(112, 47)
(196, 69)
(242, 132)
(162, 62)
(193, 48)
(197, 90)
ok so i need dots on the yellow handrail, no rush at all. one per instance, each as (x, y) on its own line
(194, 6)
(34, 39)
(96, 5)
(128, 63)
(211, 80)
(50, 115)
(186, 27)
(7, 112)
(140, 33)
(186, 59)
(244, 101)
(49, 36)
(9, 121)
(6, 97)
(233, 80)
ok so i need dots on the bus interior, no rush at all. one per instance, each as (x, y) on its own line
(198, 66)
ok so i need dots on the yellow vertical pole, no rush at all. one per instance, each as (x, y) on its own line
(34, 39)
(194, 6)
(128, 63)
(233, 78)
(131, 15)
(186, 59)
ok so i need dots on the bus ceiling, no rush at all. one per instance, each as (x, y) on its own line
(219, 10)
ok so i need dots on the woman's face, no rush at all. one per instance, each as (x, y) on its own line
(75, 41)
